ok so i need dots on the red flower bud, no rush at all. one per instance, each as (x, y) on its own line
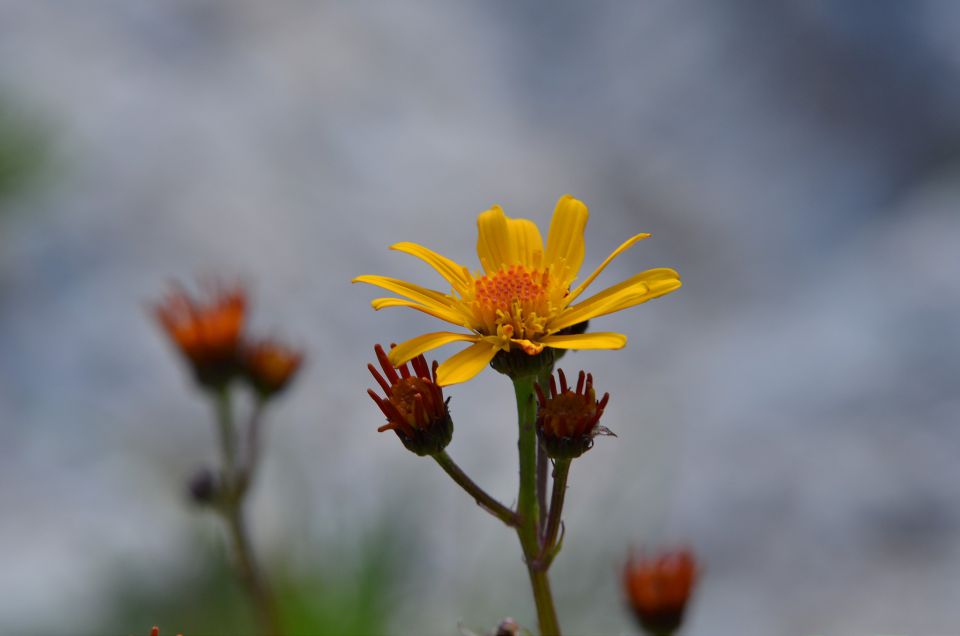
(413, 404)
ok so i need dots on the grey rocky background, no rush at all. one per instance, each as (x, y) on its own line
(791, 412)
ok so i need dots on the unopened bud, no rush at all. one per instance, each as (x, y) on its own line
(204, 487)
(413, 404)
(568, 418)
(508, 627)
(658, 589)
(207, 332)
(270, 365)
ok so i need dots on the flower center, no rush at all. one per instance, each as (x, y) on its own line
(515, 302)
(569, 414)
(407, 394)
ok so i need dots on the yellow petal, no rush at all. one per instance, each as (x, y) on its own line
(421, 344)
(504, 242)
(623, 248)
(633, 291)
(451, 316)
(417, 293)
(466, 364)
(456, 274)
(565, 239)
(600, 340)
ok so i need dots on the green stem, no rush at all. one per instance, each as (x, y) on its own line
(253, 443)
(542, 463)
(232, 511)
(561, 469)
(257, 588)
(483, 499)
(228, 442)
(528, 507)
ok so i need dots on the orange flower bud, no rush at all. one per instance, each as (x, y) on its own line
(413, 404)
(270, 365)
(658, 589)
(207, 333)
(567, 419)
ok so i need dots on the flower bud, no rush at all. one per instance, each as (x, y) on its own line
(207, 333)
(270, 365)
(413, 404)
(204, 487)
(567, 420)
(659, 588)
(508, 627)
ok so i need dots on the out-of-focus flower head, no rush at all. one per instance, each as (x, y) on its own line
(658, 589)
(413, 404)
(522, 302)
(568, 418)
(270, 365)
(208, 331)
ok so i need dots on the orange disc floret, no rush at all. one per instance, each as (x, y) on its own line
(207, 332)
(568, 418)
(659, 587)
(413, 404)
(270, 365)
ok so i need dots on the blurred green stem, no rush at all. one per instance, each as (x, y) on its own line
(231, 508)
(528, 507)
(253, 442)
(228, 444)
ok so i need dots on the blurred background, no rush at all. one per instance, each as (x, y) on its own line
(791, 413)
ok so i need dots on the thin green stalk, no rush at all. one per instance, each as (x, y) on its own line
(528, 508)
(561, 469)
(257, 588)
(228, 440)
(483, 499)
(232, 511)
(543, 462)
(253, 442)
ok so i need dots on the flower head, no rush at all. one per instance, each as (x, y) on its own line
(658, 589)
(207, 332)
(413, 404)
(522, 300)
(567, 419)
(270, 365)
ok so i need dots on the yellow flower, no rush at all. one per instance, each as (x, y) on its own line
(524, 296)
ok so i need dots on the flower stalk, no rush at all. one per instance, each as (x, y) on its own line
(561, 469)
(483, 499)
(235, 481)
(528, 507)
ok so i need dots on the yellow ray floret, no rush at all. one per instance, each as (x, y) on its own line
(523, 297)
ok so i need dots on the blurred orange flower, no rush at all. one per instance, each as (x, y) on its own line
(659, 587)
(270, 365)
(207, 332)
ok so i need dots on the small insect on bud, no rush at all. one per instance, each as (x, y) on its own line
(413, 404)
(270, 366)
(208, 333)
(659, 588)
(567, 420)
